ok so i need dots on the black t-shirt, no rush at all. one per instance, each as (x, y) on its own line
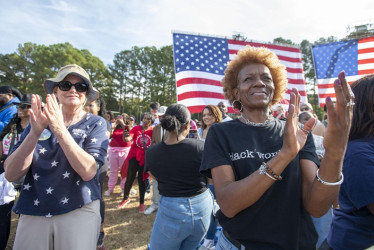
(176, 167)
(278, 219)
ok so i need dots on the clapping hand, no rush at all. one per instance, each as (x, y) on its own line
(340, 117)
(38, 120)
(294, 137)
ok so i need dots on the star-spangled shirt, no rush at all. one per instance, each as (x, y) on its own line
(52, 186)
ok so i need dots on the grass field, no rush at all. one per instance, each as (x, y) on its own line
(124, 228)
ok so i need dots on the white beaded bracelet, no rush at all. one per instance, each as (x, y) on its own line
(330, 183)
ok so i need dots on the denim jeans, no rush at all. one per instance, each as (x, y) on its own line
(213, 222)
(224, 244)
(322, 226)
(181, 223)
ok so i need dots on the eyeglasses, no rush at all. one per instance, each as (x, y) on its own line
(24, 106)
(79, 86)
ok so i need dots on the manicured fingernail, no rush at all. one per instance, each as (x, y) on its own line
(342, 74)
(328, 99)
(337, 81)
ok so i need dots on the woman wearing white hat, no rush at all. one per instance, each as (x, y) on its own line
(60, 153)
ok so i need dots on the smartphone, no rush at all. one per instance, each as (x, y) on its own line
(192, 134)
(127, 127)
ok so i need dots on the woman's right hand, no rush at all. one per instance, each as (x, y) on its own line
(294, 137)
(38, 120)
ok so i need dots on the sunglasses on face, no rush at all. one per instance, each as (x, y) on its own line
(79, 86)
(304, 109)
(24, 106)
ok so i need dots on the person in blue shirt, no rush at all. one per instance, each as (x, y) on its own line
(353, 222)
(60, 153)
(9, 97)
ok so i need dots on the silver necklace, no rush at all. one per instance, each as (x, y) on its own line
(255, 124)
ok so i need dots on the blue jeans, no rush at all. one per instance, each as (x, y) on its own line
(181, 223)
(224, 244)
(213, 222)
(322, 226)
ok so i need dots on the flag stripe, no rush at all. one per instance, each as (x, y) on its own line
(200, 87)
(366, 71)
(269, 46)
(199, 81)
(367, 50)
(201, 94)
(365, 61)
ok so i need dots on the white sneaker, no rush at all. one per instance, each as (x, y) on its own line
(133, 192)
(147, 195)
(151, 209)
(108, 192)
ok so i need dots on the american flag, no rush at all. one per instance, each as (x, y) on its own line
(355, 57)
(200, 62)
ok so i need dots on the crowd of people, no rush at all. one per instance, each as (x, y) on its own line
(272, 177)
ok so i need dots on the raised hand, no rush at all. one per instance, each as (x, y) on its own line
(53, 113)
(339, 117)
(294, 137)
(38, 119)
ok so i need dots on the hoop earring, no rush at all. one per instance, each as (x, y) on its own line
(233, 106)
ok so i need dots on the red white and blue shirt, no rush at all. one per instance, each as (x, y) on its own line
(52, 186)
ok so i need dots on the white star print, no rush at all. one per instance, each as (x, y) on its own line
(66, 175)
(78, 181)
(100, 123)
(42, 151)
(36, 176)
(27, 186)
(49, 190)
(94, 140)
(36, 202)
(49, 215)
(54, 164)
(95, 154)
(65, 200)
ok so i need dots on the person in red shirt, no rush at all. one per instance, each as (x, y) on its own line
(118, 152)
(141, 137)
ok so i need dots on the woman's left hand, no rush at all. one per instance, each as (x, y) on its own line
(294, 137)
(339, 117)
(53, 111)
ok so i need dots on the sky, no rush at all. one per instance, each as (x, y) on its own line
(108, 27)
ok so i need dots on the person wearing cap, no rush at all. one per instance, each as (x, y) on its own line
(9, 97)
(13, 130)
(60, 153)
(8, 138)
(158, 135)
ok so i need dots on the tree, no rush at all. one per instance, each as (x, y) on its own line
(143, 75)
(32, 64)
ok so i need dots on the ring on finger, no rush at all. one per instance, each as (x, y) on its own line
(305, 131)
(351, 103)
